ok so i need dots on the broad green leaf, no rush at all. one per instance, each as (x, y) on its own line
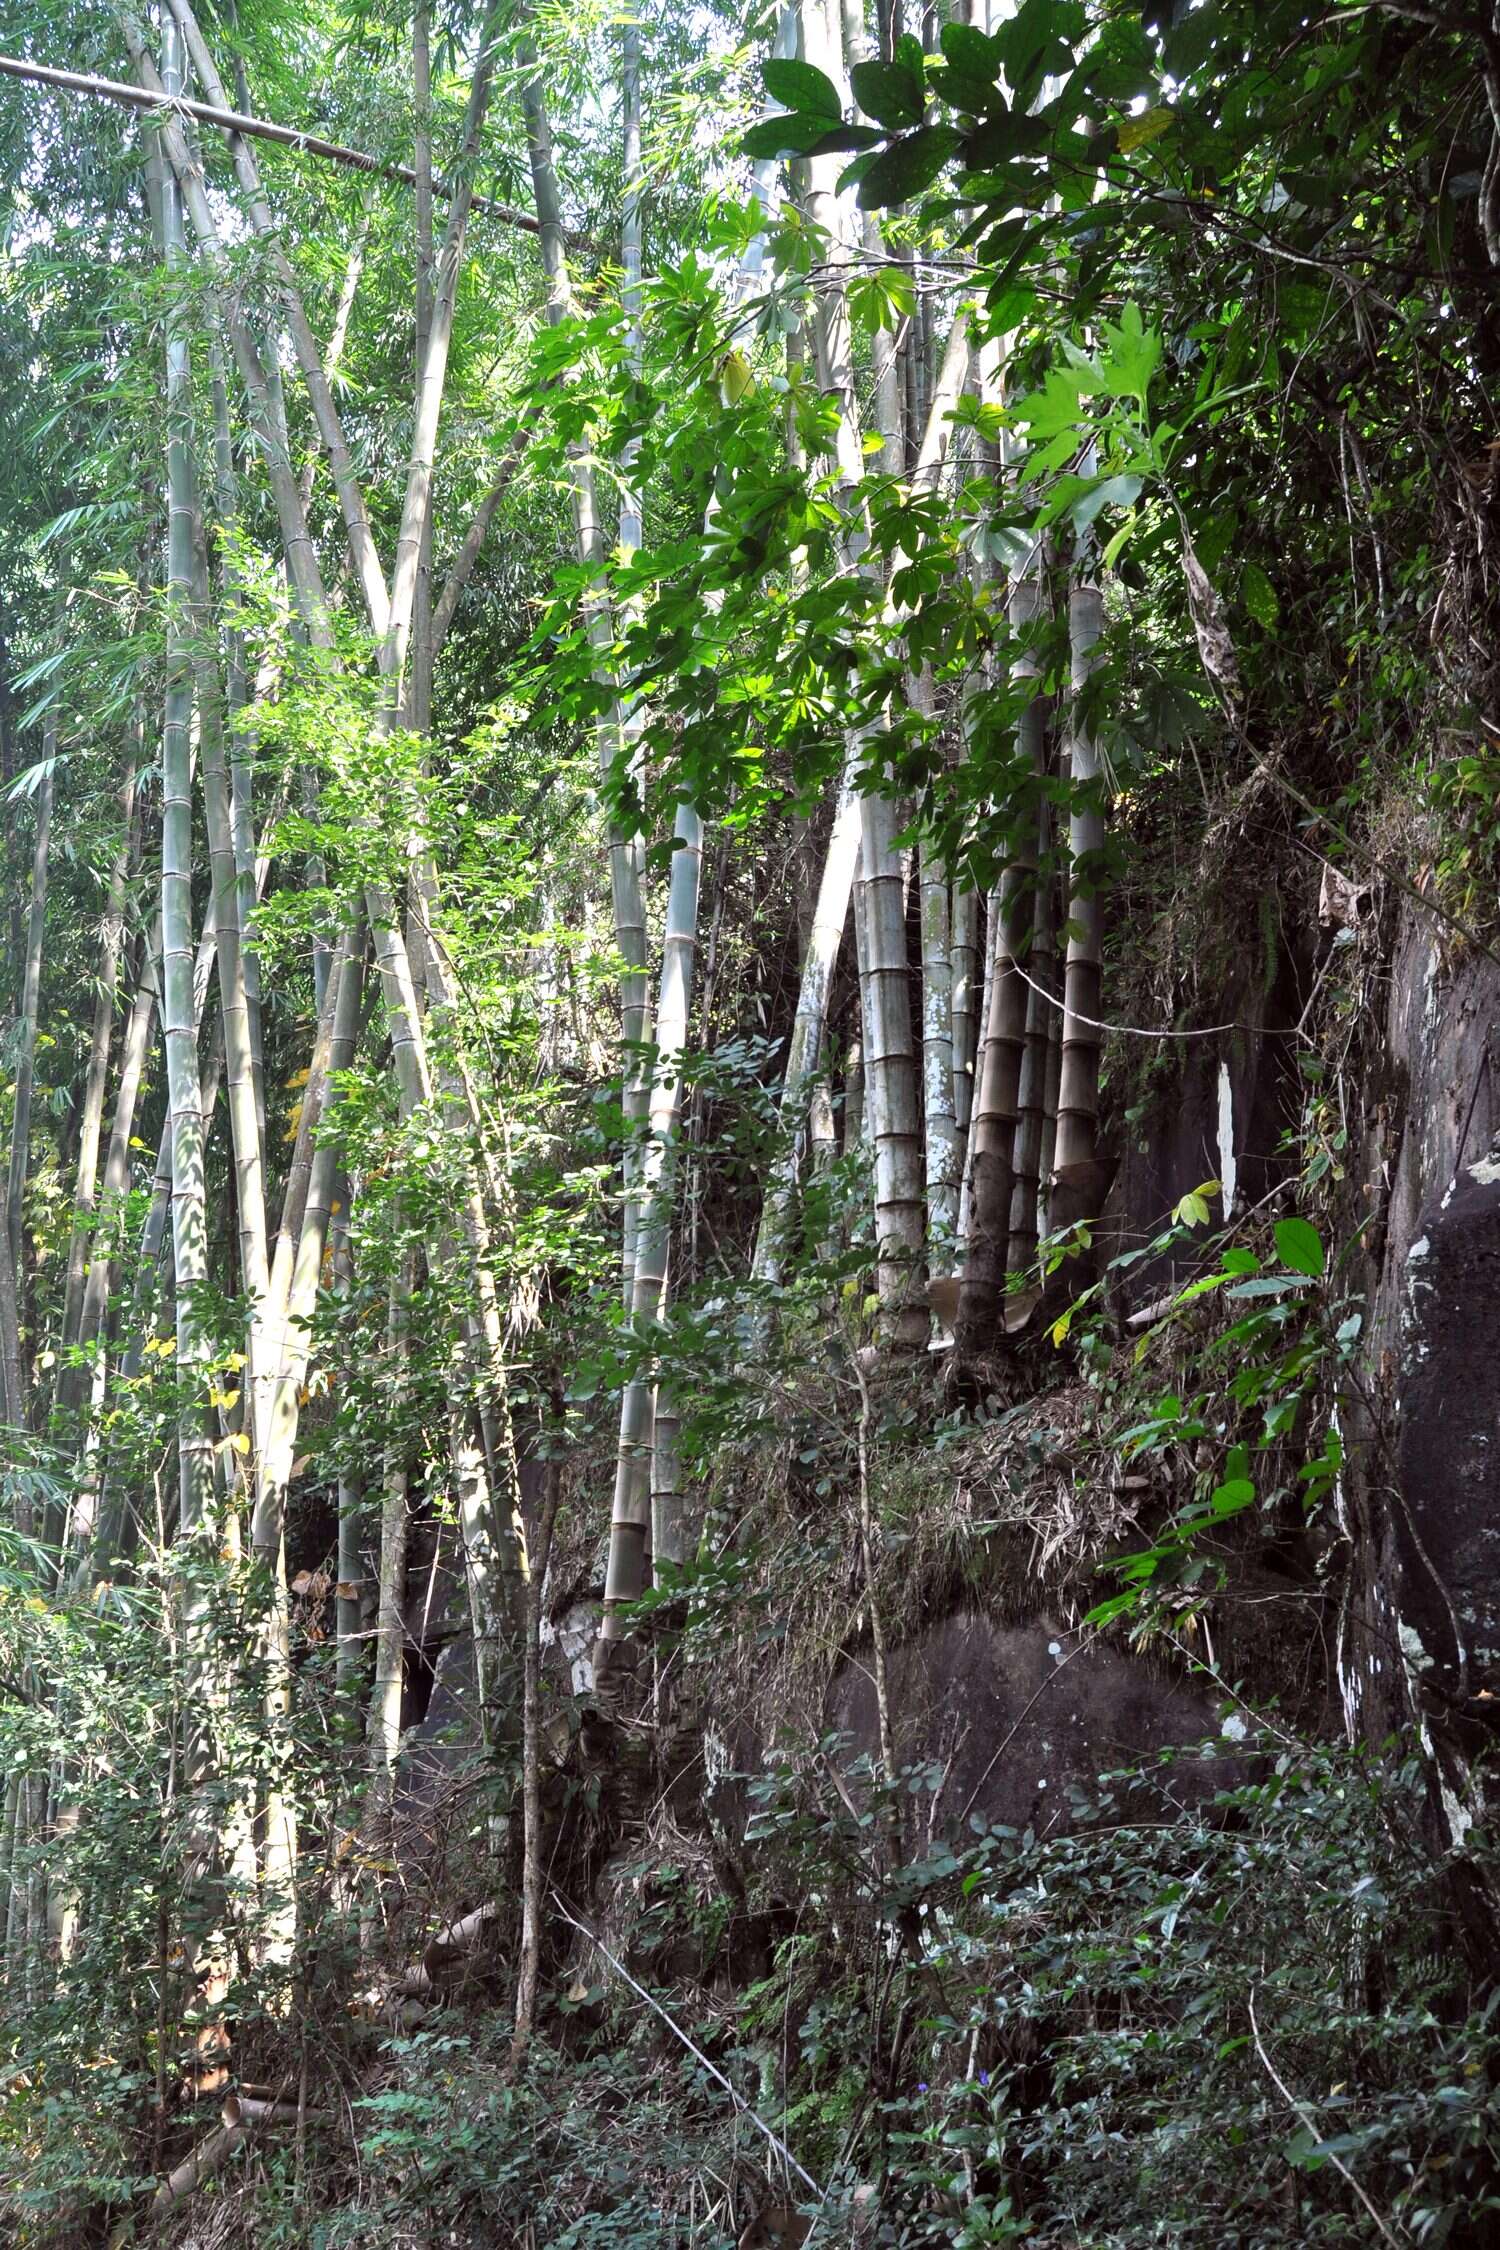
(1009, 133)
(1110, 492)
(798, 86)
(1260, 596)
(907, 167)
(841, 138)
(1117, 543)
(1235, 1494)
(784, 136)
(970, 50)
(887, 92)
(1300, 1246)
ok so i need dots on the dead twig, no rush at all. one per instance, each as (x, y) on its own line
(1301, 2111)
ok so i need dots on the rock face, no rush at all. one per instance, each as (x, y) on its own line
(1448, 1531)
(1014, 1718)
(1422, 1621)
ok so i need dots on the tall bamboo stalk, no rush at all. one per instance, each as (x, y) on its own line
(939, 1122)
(630, 1521)
(184, 1094)
(626, 852)
(241, 785)
(384, 1725)
(31, 989)
(992, 1128)
(96, 1076)
(967, 969)
(804, 1049)
(1078, 1089)
(351, 501)
(1031, 1098)
(239, 1058)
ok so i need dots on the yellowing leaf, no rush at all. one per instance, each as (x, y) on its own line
(1134, 132)
(298, 1078)
(225, 1399)
(241, 1441)
(735, 378)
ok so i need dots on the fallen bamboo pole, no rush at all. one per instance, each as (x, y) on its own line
(252, 128)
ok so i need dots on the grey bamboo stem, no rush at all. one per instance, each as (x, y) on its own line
(91, 1121)
(189, 1230)
(351, 501)
(31, 988)
(1078, 1089)
(630, 1519)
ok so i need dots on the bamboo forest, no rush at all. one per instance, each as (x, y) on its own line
(749, 1124)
